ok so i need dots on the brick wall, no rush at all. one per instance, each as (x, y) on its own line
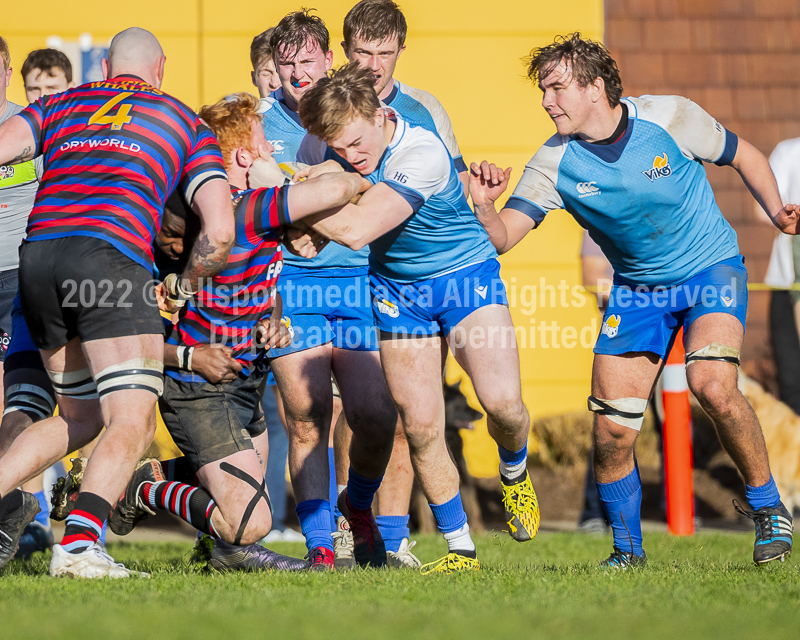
(740, 60)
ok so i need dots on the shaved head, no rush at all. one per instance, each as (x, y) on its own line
(136, 51)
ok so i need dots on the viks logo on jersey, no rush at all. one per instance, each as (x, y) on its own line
(661, 168)
(611, 326)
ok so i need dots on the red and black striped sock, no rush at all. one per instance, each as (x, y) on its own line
(192, 504)
(85, 522)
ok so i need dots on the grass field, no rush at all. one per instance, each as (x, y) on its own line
(701, 587)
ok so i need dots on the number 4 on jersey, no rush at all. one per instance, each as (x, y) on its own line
(117, 121)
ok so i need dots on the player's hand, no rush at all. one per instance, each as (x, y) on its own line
(215, 363)
(164, 303)
(307, 173)
(487, 182)
(265, 172)
(273, 333)
(788, 219)
(304, 242)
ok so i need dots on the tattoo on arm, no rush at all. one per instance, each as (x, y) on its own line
(205, 261)
(27, 154)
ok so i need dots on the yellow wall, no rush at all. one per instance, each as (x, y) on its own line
(466, 52)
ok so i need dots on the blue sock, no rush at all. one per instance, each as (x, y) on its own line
(393, 529)
(450, 516)
(623, 502)
(43, 517)
(764, 496)
(332, 494)
(513, 463)
(315, 519)
(102, 538)
(361, 490)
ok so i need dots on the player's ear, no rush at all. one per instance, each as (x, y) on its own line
(346, 53)
(329, 60)
(598, 89)
(380, 115)
(104, 67)
(242, 157)
(253, 78)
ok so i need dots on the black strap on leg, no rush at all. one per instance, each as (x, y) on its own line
(694, 358)
(261, 492)
(608, 410)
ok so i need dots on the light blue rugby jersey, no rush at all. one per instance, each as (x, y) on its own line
(644, 199)
(415, 106)
(442, 235)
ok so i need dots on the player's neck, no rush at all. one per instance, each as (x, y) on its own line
(289, 101)
(601, 124)
(387, 90)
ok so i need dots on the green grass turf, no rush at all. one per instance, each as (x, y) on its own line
(702, 587)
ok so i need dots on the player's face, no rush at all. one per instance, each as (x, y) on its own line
(4, 80)
(39, 83)
(566, 102)
(362, 143)
(379, 57)
(170, 238)
(269, 173)
(265, 78)
(298, 72)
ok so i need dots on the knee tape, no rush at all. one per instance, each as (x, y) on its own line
(261, 492)
(30, 398)
(714, 352)
(139, 373)
(78, 385)
(627, 412)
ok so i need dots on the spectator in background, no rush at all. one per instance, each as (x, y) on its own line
(785, 160)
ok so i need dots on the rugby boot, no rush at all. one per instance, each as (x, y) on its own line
(774, 528)
(93, 562)
(35, 537)
(521, 507)
(254, 557)
(403, 558)
(343, 545)
(623, 559)
(451, 563)
(13, 523)
(368, 547)
(65, 490)
(320, 559)
(131, 508)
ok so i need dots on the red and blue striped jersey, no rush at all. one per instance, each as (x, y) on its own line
(226, 309)
(113, 151)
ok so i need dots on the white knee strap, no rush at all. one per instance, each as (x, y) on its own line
(139, 373)
(627, 412)
(30, 398)
(77, 385)
(714, 352)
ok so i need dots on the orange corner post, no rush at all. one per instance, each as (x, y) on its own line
(678, 443)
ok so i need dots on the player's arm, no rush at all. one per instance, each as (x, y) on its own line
(487, 183)
(212, 204)
(214, 362)
(17, 142)
(378, 211)
(754, 169)
(327, 191)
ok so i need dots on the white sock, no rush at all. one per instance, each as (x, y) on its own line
(513, 470)
(460, 540)
(340, 488)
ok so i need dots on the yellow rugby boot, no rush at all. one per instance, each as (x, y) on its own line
(521, 507)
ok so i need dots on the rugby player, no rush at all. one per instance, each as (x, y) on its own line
(435, 282)
(334, 333)
(45, 72)
(91, 230)
(375, 36)
(630, 171)
(28, 394)
(264, 75)
(220, 428)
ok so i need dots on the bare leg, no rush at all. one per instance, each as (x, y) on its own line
(714, 385)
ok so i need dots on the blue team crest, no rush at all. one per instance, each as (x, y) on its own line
(661, 168)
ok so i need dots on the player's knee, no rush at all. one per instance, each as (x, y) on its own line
(504, 408)
(376, 421)
(714, 394)
(257, 527)
(422, 434)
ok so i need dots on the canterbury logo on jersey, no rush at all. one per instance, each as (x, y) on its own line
(586, 189)
(661, 168)
(387, 308)
(277, 145)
